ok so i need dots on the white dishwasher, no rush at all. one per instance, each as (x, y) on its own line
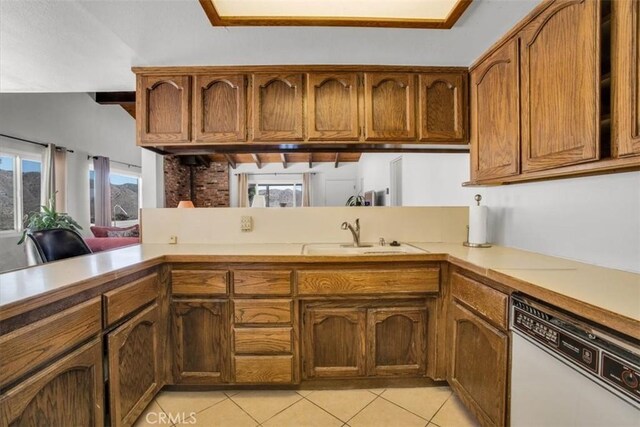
(567, 373)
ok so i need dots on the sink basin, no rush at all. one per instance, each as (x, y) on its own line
(337, 249)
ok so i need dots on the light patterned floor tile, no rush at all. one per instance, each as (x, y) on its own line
(343, 404)
(153, 415)
(231, 392)
(422, 401)
(175, 402)
(382, 413)
(304, 393)
(223, 414)
(303, 414)
(264, 404)
(377, 391)
(453, 414)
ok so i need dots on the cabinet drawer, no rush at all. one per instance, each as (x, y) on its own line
(199, 282)
(396, 281)
(262, 340)
(264, 369)
(120, 302)
(30, 346)
(262, 311)
(489, 303)
(262, 282)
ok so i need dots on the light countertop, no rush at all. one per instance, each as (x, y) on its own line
(611, 290)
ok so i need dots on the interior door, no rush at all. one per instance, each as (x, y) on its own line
(396, 182)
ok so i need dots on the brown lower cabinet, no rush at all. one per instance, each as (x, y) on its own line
(134, 365)
(358, 340)
(201, 333)
(478, 365)
(68, 392)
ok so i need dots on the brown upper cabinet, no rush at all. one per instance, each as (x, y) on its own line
(220, 108)
(332, 106)
(389, 106)
(277, 107)
(495, 114)
(560, 97)
(442, 107)
(625, 27)
(163, 109)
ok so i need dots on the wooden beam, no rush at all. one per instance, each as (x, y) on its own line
(126, 100)
(337, 162)
(283, 157)
(310, 160)
(256, 159)
(230, 160)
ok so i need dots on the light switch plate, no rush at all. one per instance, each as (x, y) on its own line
(173, 240)
(246, 223)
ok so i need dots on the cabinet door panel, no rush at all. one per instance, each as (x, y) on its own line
(68, 392)
(202, 341)
(560, 86)
(277, 107)
(220, 108)
(163, 109)
(478, 370)
(495, 115)
(389, 101)
(396, 341)
(625, 82)
(134, 366)
(442, 103)
(333, 106)
(334, 342)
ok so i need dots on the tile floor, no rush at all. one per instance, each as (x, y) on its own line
(393, 407)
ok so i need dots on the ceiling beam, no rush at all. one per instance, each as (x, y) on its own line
(256, 159)
(230, 160)
(310, 160)
(337, 162)
(126, 100)
(283, 157)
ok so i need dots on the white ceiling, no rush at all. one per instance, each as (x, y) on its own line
(86, 46)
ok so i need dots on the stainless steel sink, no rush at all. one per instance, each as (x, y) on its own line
(337, 249)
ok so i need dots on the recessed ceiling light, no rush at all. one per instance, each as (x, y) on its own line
(348, 13)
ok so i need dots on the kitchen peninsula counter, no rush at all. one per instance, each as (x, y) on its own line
(606, 296)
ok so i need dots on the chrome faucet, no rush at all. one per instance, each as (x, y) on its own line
(355, 231)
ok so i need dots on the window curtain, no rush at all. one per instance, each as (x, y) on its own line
(306, 189)
(60, 166)
(48, 189)
(102, 201)
(243, 190)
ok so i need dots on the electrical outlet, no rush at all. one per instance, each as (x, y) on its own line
(246, 223)
(173, 240)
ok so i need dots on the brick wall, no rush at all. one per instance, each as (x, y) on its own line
(211, 184)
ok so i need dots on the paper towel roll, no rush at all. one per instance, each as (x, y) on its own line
(477, 224)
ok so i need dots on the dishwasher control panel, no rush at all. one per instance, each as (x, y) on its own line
(609, 360)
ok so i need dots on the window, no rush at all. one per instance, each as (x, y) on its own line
(277, 194)
(20, 188)
(125, 196)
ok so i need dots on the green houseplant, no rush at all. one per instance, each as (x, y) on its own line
(48, 218)
(357, 200)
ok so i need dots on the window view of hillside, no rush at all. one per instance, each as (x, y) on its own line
(31, 180)
(278, 195)
(124, 197)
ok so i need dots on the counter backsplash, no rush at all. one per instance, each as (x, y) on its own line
(304, 225)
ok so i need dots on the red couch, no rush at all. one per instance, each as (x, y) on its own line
(106, 238)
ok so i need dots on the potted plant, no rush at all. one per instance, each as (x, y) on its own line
(45, 219)
(356, 200)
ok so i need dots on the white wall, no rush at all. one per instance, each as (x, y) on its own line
(427, 179)
(152, 180)
(590, 219)
(77, 122)
(322, 173)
